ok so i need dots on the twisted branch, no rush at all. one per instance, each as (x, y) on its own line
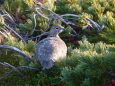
(8, 27)
(94, 24)
(61, 18)
(6, 75)
(13, 67)
(6, 15)
(17, 50)
(16, 69)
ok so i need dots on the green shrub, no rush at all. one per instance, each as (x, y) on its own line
(95, 62)
(101, 11)
(87, 65)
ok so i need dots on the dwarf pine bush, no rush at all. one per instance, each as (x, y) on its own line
(95, 62)
(101, 11)
(88, 64)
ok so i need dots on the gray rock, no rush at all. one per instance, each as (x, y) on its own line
(51, 49)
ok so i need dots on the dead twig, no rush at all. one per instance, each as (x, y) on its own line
(16, 69)
(28, 67)
(3, 34)
(6, 14)
(8, 27)
(39, 36)
(6, 75)
(73, 15)
(94, 24)
(9, 18)
(17, 50)
(52, 15)
(11, 66)
(34, 28)
(38, 13)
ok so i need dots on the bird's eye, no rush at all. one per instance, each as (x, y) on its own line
(56, 28)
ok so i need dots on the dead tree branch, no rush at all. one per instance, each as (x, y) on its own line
(94, 24)
(16, 69)
(39, 36)
(53, 16)
(8, 27)
(28, 67)
(61, 18)
(73, 15)
(11, 66)
(17, 50)
(3, 34)
(34, 28)
(8, 17)
(6, 75)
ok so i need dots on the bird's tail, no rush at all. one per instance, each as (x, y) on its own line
(47, 64)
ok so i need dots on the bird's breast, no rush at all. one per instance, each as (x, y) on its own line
(51, 47)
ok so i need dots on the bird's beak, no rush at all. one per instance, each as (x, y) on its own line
(62, 28)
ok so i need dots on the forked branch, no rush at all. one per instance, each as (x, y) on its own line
(16, 69)
(94, 24)
(11, 66)
(61, 18)
(10, 29)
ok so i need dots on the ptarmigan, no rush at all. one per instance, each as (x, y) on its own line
(51, 49)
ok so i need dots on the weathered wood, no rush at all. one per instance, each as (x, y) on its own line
(17, 50)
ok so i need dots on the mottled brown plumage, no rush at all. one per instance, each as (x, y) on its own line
(51, 49)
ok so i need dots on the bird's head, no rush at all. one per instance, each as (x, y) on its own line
(55, 30)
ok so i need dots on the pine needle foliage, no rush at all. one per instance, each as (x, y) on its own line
(14, 5)
(95, 62)
(90, 64)
(101, 11)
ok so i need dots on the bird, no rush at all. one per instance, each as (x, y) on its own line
(51, 49)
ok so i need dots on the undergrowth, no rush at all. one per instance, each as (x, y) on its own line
(88, 63)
